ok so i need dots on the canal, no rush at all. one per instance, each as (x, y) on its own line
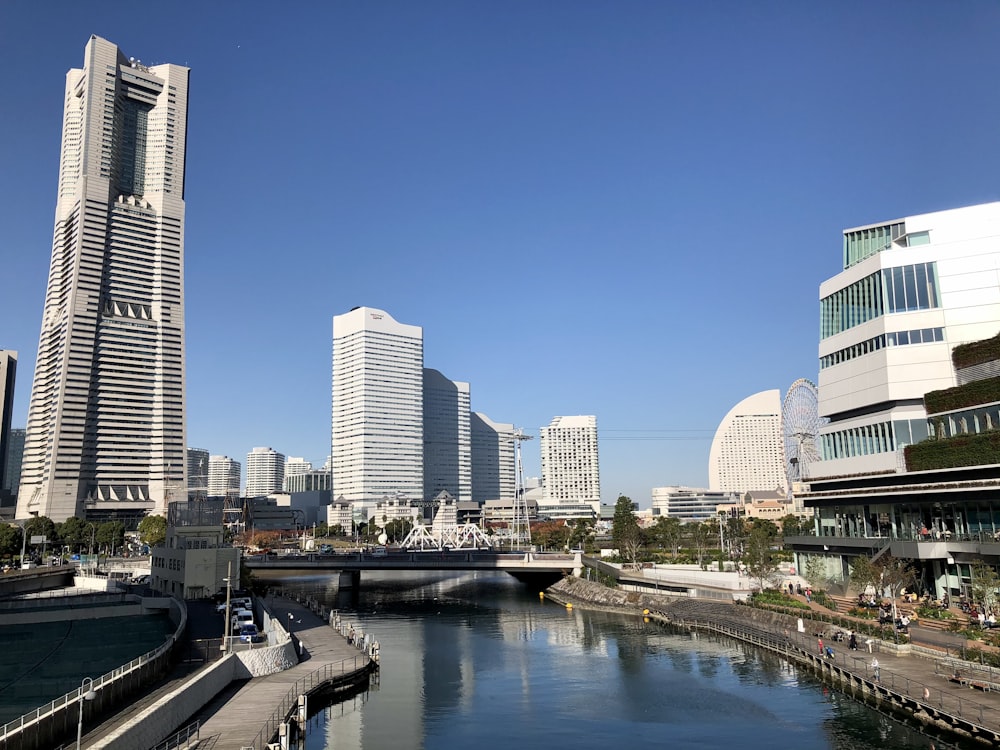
(479, 661)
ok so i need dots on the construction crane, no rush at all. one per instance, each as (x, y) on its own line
(520, 526)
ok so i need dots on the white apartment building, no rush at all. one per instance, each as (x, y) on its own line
(297, 465)
(265, 472)
(223, 477)
(447, 437)
(106, 430)
(911, 290)
(748, 451)
(690, 503)
(571, 476)
(377, 417)
(494, 472)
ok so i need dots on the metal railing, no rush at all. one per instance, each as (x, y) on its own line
(184, 738)
(305, 685)
(16, 726)
(802, 648)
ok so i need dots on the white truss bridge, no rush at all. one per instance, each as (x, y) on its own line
(466, 536)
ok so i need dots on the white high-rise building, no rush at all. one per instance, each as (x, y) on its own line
(494, 473)
(571, 475)
(265, 472)
(294, 466)
(106, 431)
(447, 437)
(223, 477)
(911, 290)
(748, 451)
(377, 419)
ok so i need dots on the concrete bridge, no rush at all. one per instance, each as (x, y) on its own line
(530, 567)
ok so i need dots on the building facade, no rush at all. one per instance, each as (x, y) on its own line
(571, 475)
(447, 437)
(265, 472)
(911, 290)
(106, 429)
(197, 473)
(747, 451)
(377, 436)
(224, 477)
(494, 470)
(8, 372)
(15, 449)
(689, 503)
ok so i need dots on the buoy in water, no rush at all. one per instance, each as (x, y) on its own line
(645, 612)
(569, 606)
(541, 594)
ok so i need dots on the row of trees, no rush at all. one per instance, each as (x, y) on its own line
(77, 535)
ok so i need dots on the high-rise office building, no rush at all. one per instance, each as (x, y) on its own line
(223, 477)
(911, 290)
(748, 451)
(571, 475)
(447, 437)
(106, 431)
(197, 473)
(265, 472)
(8, 371)
(15, 450)
(494, 473)
(377, 418)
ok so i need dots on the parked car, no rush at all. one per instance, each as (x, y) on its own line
(240, 618)
(250, 634)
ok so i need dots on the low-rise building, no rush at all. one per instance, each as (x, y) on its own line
(195, 559)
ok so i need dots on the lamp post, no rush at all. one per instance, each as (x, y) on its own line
(87, 693)
(227, 627)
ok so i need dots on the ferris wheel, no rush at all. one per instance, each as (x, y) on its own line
(800, 423)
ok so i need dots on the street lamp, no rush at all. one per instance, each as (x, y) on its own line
(227, 627)
(88, 686)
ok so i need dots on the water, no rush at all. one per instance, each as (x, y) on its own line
(479, 661)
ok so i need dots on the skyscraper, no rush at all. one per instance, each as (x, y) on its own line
(748, 451)
(265, 472)
(106, 430)
(377, 419)
(447, 438)
(223, 477)
(8, 370)
(571, 475)
(197, 473)
(494, 473)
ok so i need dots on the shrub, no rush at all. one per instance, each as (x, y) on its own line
(823, 600)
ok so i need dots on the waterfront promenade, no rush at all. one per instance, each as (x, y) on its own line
(236, 721)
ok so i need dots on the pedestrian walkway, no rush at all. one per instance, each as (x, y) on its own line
(236, 722)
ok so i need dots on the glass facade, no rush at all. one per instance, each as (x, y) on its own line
(869, 439)
(891, 290)
(898, 338)
(965, 421)
(864, 243)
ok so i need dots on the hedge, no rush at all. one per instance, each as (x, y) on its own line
(977, 392)
(950, 453)
(976, 352)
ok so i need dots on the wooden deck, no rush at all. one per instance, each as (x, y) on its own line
(239, 718)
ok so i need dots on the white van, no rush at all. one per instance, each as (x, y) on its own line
(240, 618)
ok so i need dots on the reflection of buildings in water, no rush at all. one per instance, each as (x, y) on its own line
(343, 723)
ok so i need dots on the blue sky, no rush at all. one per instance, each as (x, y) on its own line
(613, 208)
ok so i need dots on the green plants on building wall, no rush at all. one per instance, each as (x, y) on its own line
(976, 352)
(986, 391)
(949, 453)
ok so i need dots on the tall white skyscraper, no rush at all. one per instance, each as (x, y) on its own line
(106, 431)
(494, 473)
(377, 420)
(748, 451)
(223, 477)
(265, 472)
(571, 475)
(447, 437)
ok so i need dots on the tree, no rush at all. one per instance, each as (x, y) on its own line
(41, 526)
(701, 535)
(667, 532)
(815, 572)
(153, 531)
(985, 582)
(111, 536)
(759, 557)
(791, 525)
(10, 540)
(625, 532)
(74, 533)
(581, 533)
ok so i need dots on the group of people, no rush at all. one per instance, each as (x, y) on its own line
(985, 619)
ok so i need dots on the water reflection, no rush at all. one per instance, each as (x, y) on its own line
(479, 661)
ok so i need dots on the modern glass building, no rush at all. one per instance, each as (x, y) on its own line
(197, 473)
(377, 440)
(106, 428)
(8, 372)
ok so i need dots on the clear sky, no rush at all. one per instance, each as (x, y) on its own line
(614, 208)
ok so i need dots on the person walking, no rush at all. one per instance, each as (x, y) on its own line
(852, 642)
(819, 642)
(876, 669)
